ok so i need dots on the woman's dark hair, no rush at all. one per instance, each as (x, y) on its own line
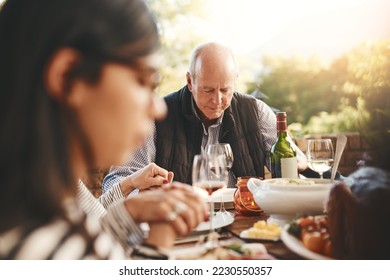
(35, 166)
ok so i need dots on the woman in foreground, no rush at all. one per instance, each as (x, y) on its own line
(77, 80)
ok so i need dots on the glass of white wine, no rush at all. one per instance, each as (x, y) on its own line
(320, 155)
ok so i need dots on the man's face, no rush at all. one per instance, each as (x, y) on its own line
(212, 88)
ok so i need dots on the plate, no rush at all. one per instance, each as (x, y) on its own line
(227, 205)
(244, 235)
(227, 196)
(218, 222)
(223, 252)
(296, 245)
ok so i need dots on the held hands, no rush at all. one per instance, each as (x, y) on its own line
(149, 176)
(176, 206)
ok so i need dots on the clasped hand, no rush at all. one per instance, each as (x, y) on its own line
(171, 211)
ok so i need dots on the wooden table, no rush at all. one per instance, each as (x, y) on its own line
(276, 249)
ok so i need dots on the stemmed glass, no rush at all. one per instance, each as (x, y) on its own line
(320, 155)
(209, 174)
(224, 150)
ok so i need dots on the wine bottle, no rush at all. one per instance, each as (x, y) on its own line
(283, 156)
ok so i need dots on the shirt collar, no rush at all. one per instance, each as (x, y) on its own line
(216, 124)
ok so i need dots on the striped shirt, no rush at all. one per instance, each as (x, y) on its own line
(147, 153)
(89, 231)
(78, 236)
(113, 214)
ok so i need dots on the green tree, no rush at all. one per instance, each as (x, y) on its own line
(177, 21)
(302, 88)
(365, 91)
(369, 67)
(341, 97)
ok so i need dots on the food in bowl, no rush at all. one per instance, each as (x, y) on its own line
(293, 181)
(288, 198)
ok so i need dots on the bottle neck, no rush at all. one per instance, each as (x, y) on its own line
(282, 134)
(281, 127)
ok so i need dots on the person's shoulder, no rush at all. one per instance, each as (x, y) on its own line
(370, 172)
(175, 95)
(172, 95)
(243, 96)
(262, 107)
(367, 180)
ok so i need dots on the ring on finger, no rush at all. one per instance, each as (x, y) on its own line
(171, 216)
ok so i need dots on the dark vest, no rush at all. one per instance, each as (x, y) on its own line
(179, 136)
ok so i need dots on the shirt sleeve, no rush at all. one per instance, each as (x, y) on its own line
(88, 202)
(139, 159)
(111, 196)
(267, 120)
(121, 225)
(115, 220)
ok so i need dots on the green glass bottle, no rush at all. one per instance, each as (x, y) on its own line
(283, 156)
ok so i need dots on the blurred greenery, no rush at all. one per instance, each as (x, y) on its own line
(178, 35)
(370, 82)
(180, 22)
(309, 92)
(349, 93)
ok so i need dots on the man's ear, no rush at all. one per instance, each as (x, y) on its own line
(189, 82)
(57, 71)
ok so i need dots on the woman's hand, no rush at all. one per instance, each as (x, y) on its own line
(177, 205)
(161, 235)
(149, 176)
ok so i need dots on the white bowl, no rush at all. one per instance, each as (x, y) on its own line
(284, 201)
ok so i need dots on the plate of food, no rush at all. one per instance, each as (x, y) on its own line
(308, 237)
(262, 230)
(219, 221)
(225, 251)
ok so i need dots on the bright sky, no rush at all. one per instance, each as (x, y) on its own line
(326, 28)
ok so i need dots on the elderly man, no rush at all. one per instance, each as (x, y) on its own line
(206, 111)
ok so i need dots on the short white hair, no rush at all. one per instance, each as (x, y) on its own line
(197, 51)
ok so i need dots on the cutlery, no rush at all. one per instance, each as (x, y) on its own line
(341, 142)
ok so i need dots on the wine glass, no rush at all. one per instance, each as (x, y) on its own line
(209, 175)
(225, 150)
(320, 155)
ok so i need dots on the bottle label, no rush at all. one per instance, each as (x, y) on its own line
(289, 167)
